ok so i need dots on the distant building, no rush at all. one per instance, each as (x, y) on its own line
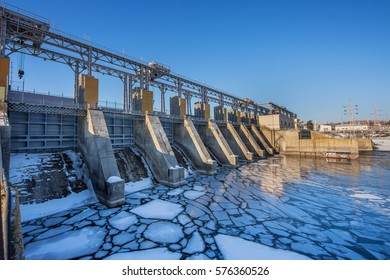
(354, 127)
(325, 128)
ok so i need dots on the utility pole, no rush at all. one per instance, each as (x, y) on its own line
(351, 110)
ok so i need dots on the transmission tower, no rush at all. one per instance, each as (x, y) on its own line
(351, 110)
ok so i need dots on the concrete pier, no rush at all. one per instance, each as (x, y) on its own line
(236, 143)
(260, 137)
(153, 143)
(250, 142)
(217, 144)
(95, 146)
(187, 139)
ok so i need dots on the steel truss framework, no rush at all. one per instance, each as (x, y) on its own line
(26, 34)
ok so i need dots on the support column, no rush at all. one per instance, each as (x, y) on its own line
(88, 91)
(125, 94)
(162, 98)
(236, 143)
(216, 143)
(95, 146)
(143, 101)
(4, 76)
(130, 94)
(220, 114)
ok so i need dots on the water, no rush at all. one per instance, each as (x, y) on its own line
(312, 207)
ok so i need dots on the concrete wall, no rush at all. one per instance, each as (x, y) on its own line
(290, 144)
(153, 143)
(220, 113)
(236, 143)
(259, 135)
(276, 121)
(187, 139)
(217, 144)
(202, 110)
(142, 101)
(365, 144)
(250, 142)
(95, 146)
(177, 106)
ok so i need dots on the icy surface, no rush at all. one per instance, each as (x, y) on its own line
(37, 210)
(164, 232)
(152, 254)
(301, 208)
(68, 245)
(235, 248)
(123, 220)
(143, 184)
(195, 244)
(158, 209)
(193, 194)
(365, 195)
(382, 144)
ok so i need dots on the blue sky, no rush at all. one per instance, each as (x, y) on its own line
(311, 56)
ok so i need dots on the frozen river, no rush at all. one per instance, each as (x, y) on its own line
(279, 208)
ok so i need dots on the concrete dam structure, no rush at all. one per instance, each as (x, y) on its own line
(33, 122)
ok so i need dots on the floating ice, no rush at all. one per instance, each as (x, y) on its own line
(69, 245)
(122, 238)
(158, 209)
(152, 254)
(143, 184)
(175, 192)
(81, 216)
(53, 232)
(123, 220)
(74, 200)
(365, 195)
(193, 194)
(235, 248)
(164, 232)
(195, 244)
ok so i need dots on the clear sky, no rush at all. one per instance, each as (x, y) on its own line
(311, 56)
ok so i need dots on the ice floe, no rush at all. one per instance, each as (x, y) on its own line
(69, 245)
(123, 220)
(235, 248)
(164, 232)
(158, 209)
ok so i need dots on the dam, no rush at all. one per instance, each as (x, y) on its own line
(208, 138)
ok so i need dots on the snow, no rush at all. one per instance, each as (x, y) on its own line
(143, 184)
(74, 200)
(365, 195)
(158, 209)
(123, 220)
(235, 248)
(195, 244)
(114, 179)
(23, 166)
(152, 254)
(382, 144)
(164, 232)
(193, 194)
(69, 245)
